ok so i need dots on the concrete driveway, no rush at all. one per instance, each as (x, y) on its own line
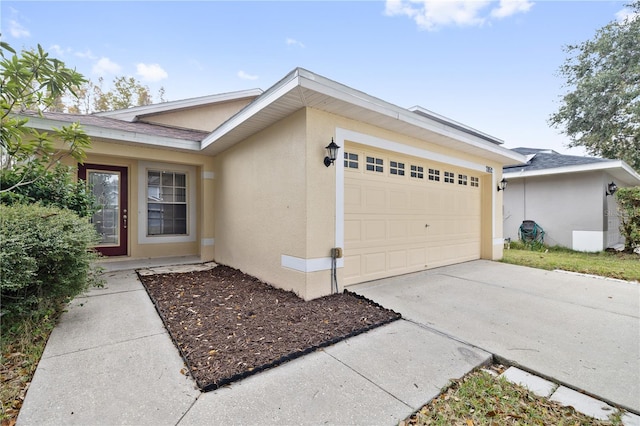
(577, 330)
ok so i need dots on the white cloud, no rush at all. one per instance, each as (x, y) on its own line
(106, 66)
(243, 75)
(17, 30)
(294, 42)
(432, 15)
(626, 15)
(57, 49)
(151, 72)
(511, 7)
(86, 54)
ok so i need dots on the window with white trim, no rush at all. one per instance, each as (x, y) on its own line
(434, 175)
(475, 182)
(396, 168)
(375, 165)
(350, 160)
(462, 180)
(449, 177)
(417, 172)
(166, 203)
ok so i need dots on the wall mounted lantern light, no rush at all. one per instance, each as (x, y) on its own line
(611, 189)
(502, 185)
(332, 150)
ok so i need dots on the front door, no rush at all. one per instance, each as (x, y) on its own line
(109, 184)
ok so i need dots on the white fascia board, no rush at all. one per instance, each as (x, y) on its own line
(603, 166)
(130, 114)
(441, 118)
(119, 135)
(280, 89)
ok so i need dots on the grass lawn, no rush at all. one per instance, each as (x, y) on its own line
(481, 398)
(624, 266)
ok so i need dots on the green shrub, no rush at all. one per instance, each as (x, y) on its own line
(629, 207)
(50, 188)
(45, 258)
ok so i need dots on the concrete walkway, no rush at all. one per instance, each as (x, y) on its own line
(110, 360)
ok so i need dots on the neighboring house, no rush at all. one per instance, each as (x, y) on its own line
(240, 178)
(568, 197)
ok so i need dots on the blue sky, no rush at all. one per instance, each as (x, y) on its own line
(491, 65)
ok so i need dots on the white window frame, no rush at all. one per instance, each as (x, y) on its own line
(143, 172)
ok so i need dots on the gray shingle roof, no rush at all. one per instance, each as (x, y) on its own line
(549, 159)
(115, 124)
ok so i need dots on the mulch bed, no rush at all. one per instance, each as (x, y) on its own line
(229, 325)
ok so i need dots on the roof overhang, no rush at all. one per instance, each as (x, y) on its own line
(120, 136)
(304, 89)
(616, 168)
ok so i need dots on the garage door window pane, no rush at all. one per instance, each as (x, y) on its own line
(475, 181)
(417, 172)
(375, 164)
(449, 177)
(350, 160)
(434, 175)
(462, 180)
(396, 168)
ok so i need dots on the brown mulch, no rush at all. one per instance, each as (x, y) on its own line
(229, 325)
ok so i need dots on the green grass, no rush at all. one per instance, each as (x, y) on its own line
(624, 266)
(481, 398)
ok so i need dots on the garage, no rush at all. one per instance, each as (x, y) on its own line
(405, 214)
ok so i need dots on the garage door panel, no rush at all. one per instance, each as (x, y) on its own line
(374, 263)
(352, 231)
(352, 267)
(398, 199)
(374, 230)
(386, 218)
(397, 260)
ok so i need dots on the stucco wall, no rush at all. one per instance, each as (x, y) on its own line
(205, 118)
(260, 203)
(560, 204)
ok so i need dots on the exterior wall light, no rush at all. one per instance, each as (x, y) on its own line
(611, 189)
(332, 150)
(502, 185)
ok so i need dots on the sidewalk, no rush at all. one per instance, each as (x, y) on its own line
(110, 361)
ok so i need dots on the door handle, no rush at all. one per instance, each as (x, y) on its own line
(124, 217)
(427, 225)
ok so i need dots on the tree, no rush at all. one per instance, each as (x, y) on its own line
(601, 111)
(32, 82)
(127, 92)
(629, 208)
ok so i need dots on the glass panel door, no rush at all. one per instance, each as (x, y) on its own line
(110, 186)
(106, 187)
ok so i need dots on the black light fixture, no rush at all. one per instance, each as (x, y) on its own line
(611, 189)
(502, 185)
(332, 149)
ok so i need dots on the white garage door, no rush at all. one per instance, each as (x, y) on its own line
(404, 214)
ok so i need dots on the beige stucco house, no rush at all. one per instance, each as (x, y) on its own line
(240, 178)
